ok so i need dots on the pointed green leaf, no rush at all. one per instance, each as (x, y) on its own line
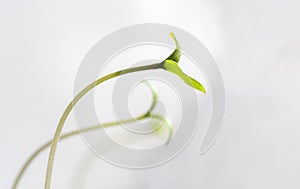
(175, 56)
(173, 67)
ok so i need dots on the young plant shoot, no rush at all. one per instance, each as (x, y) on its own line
(169, 64)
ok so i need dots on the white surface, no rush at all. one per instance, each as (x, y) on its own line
(255, 43)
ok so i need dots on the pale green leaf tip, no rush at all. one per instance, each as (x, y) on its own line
(196, 85)
(201, 88)
(172, 34)
(175, 39)
(175, 56)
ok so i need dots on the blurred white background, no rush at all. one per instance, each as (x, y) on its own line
(256, 45)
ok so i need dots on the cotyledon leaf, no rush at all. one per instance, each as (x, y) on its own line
(173, 67)
(175, 56)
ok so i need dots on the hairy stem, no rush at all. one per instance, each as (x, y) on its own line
(73, 103)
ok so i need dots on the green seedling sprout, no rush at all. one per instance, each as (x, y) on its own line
(170, 64)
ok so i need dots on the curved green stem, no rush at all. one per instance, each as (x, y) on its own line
(73, 103)
(64, 136)
(70, 134)
(73, 133)
(166, 121)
